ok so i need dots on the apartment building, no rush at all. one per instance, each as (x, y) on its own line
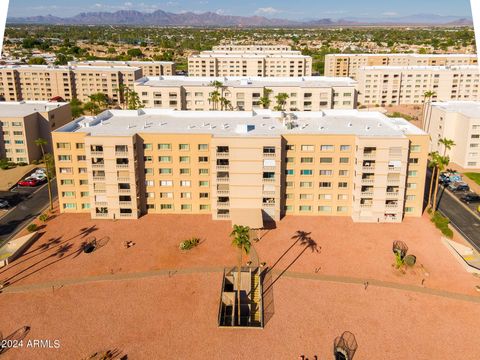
(95, 79)
(246, 93)
(21, 123)
(385, 85)
(349, 64)
(460, 122)
(253, 48)
(244, 62)
(44, 82)
(237, 165)
(149, 68)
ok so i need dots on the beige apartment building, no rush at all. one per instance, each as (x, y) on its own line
(246, 93)
(21, 123)
(44, 82)
(253, 48)
(349, 64)
(396, 85)
(458, 121)
(149, 68)
(268, 61)
(241, 166)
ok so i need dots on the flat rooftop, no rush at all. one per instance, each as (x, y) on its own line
(248, 54)
(424, 67)
(124, 63)
(25, 108)
(467, 108)
(67, 68)
(235, 81)
(473, 56)
(262, 123)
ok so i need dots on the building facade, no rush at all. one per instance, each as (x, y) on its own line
(122, 164)
(246, 93)
(348, 65)
(149, 68)
(43, 82)
(458, 121)
(21, 123)
(397, 85)
(268, 61)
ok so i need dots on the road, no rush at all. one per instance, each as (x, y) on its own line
(25, 211)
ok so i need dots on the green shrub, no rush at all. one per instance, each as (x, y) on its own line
(441, 222)
(35, 162)
(189, 244)
(32, 227)
(22, 164)
(410, 260)
(43, 217)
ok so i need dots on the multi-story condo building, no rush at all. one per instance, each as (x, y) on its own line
(262, 164)
(92, 79)
(349, 64)
(254, 48)
(246, 62)
(43, 82)
(246, 93)
(385, 85)
(458, 121)
(21, 123)
(149, 68)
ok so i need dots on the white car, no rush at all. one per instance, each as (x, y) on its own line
(39, 176)
(4, 204)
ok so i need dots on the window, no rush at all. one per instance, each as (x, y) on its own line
(326, 172)
(64, 158)
(185, 159)
(148, 147)
(165, 159)
(184, 171)
(148, 159)
(203, 159)
(342, 185)
(288, 208)
(342, 197)
(185, 183)
(203, 171)
(305, 208)
(411, 185)
(410, 197)
(325, 197)
(289, 184)
(66, 182)
(83, 182)
(166, 183)
(166, 206)
(85, 206)
(149, 183)
(84, 194)
(325, 185)
(307, 160)
(65, 170)
(148, 171)
(166, 195)
(289, 172)
(306, 172)
(290, 147)
(203, 147)
(184, 147)
(165, 171)
(344, 160)
(63, 146)
(412, 173)
(69, 206)
(186, 207)
(186, 195)
(81, 158)
(409, 209)
(164, 146)
(306, 196)
(326, 160)
(342, 209)
(68, 193)
(308, 148)
(413, 161)
(324, 208)
(203, 183)
(415, 148)
(343, 172)
(289, 160)
(204, 195)
(327, 148)
(306, 184)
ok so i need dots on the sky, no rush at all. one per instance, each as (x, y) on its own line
(288, 9)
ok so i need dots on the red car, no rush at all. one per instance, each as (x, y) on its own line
(29, 182)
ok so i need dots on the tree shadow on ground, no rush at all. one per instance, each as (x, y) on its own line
(108, 355)
(15, 337)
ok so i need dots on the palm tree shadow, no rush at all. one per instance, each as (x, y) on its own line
(299, 236)
(17, 336)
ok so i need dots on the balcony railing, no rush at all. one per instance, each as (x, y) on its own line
(123, 179)
(367, 193)
(121, 153)
(363, 206)
(368, 181)
(98, 166)
(394, 169)
(223, 192)
(124, 191)
(122, 166)
(391, 206)
(222, 154)
(223, 203)
(269, 155)
(125, 203)
(369, 155)
(367, 168)
(222, 167)
(392, 194)
(98, 178)
(100, 191)
(268, 204)
(223, 179)
(269, 168)
(101, 203)
(223, 216)
(103, 215)
(268, 179)
(268, 192)
(125, 215)
(94, 153)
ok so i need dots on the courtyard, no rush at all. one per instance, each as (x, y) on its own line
(152, 300)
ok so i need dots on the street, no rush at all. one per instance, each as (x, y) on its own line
(25, 211)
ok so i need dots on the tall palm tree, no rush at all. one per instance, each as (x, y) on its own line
(214, 99)
(41, 143)
(122, 92)
(225, 103)
(441, 164)
(281, 101)
(241, 240)
(426, 95)
(447, 145)
(265, 99)
(432, 164)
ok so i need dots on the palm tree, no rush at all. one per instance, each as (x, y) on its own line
(426, 95)
(41, 143)
(214, 98)
(134, 102)
(241, 240)
(447, 145)
(122, 92)
(432, 164)
(225, 103)
(265, 99)
(281, 101)
(441, 164)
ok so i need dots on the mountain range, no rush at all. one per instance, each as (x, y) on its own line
(211, 19)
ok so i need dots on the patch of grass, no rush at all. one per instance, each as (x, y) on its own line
(397, 114)
(473, 176)
(441, 222)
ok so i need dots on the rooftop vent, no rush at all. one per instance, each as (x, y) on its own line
(244, 128)
(349, 124)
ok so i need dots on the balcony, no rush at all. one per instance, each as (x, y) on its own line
(367, 193)
(121, 153)
(369, 155)
(265, 192)
(268, 204)
(223, 216)
(268, 180)
(98, 166)
(368, 168)
(222, 167)
(96, 153)
(393, 194)
(223, 203)
(123, 179)
(98, 178)
(368, 181)
(269, 155)
(394, 169)
(126, 215)
(101, 203)
(125, 203)
(393, 181)
(122, 166)
(223, 192)
(99, 191)
(223, 179)
(391, 205)
(391, 218)
(222, 154)
(269, 168)
(101, 215)
(124, 191)
(366, 206)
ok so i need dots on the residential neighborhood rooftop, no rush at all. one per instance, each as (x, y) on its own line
(467, 108)
(406, 55)
(241, 123)
(422, 67)
(24, 108)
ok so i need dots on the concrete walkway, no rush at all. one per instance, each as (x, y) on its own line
(52, 285)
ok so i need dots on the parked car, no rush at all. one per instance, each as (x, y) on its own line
(39, 176)
(29, 181)
(4, 204)
(458, 186)
(470, 198)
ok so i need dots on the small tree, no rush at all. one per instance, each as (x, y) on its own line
(265, 99)
(42, 143)
(281, 101)
(241, 240)
(134, 102)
